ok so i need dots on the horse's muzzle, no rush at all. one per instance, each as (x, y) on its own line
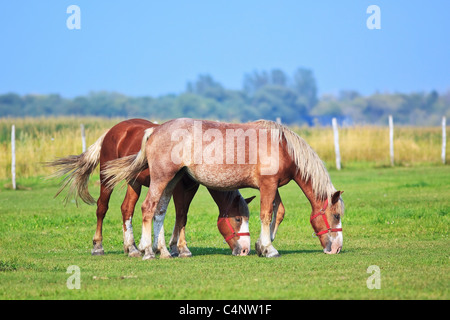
(240, 251)
(334, 246)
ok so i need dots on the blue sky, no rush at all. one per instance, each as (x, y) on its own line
(154, 47)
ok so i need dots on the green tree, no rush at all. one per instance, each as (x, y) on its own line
(206, 86)
(306, 87)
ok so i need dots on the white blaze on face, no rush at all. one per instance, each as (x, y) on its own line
(336, 242)
(244, 241)
(339, 239)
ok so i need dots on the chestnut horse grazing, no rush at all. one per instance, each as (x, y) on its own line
(266, 156)
(124, 139)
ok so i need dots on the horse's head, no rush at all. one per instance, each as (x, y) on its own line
(234, 226)
(327, 224)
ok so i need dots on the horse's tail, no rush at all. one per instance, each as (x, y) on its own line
(126, 168)
(78, 169)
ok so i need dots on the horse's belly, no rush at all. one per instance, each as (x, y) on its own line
(223, 177)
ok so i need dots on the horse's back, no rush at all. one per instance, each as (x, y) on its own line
(124, 138)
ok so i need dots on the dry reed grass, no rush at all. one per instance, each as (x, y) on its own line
(370, 145)
(43, 139)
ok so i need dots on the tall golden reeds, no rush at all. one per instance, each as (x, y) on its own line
(43, 139)
(369, 145)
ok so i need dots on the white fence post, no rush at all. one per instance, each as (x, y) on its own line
(83, 137)
(444, 138)
(391, 139)
(13, 156)
(336, 143)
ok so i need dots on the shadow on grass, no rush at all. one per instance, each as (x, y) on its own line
(287, 252)
(202, 251)
(227, 252)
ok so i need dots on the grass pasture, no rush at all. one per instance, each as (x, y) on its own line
(396, 219)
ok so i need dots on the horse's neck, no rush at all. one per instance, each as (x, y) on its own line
(306, 186)
(224, 200)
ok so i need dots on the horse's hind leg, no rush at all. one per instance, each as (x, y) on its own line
(278, 215)
(128, 205)
(154, 208)
(102, 207)
(159, 243)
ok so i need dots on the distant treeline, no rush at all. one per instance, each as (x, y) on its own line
(264, 95)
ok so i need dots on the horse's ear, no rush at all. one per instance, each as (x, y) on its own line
(335, 197)
(248, 200)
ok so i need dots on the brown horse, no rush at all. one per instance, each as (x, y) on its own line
(266, 156)
(125, 139)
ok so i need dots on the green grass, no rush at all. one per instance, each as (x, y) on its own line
(396, 218)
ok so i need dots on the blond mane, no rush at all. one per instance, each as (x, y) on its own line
(305, 158)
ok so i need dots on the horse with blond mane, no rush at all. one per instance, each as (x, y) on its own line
(262, 155)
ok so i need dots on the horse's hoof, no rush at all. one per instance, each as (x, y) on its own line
(141, 248)
(163, 253)
(148, 257)
(149, 254)
(131, 251)
(174, 251)
(165, 256)
(258, 248)
(134, 253)
(273, 255)
(185, 253)
(268, 252)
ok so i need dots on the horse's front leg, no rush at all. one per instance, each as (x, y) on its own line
(102, 208)
(127, 208)
(278, 216)
(149, 207)
(264, 245)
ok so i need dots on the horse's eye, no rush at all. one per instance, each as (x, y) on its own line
(237, 219)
